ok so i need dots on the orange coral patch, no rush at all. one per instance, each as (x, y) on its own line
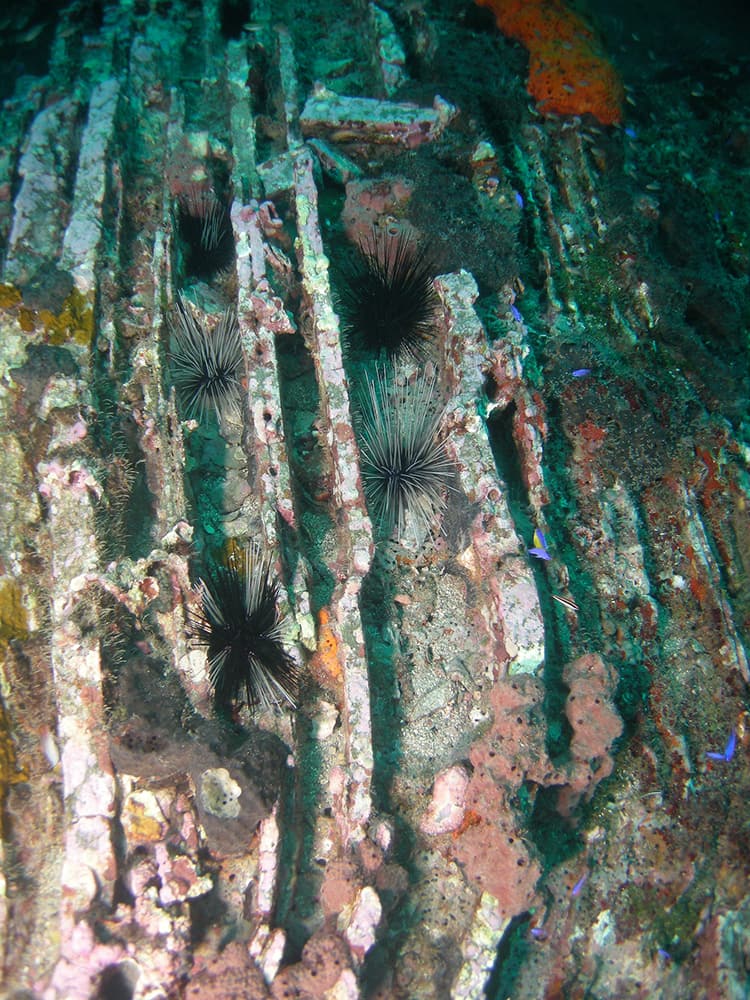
(568, 71)
(325, 664)
(590, 432)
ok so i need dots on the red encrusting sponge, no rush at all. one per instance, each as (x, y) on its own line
(569, 73)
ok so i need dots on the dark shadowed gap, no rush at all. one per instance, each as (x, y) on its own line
(500, 426)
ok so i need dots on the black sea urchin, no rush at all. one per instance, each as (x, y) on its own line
(239, 624)
(405, 468)
(206, 230)
(388, 303)
(206, 364)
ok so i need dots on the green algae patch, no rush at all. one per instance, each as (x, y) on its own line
(14, 622)
(74, 323)
(10, 771)
(9, 296)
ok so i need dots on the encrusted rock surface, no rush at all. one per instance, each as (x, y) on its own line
(518, 765)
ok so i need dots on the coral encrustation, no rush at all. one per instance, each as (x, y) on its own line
(569, 73)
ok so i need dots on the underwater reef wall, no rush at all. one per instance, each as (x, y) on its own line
(375, 539)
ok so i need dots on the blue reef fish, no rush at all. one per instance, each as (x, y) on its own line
(728, 751)
(579, 884)
(540, 546)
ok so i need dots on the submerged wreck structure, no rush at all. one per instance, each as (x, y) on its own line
(375, 539)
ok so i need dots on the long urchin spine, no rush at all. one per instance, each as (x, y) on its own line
(405, 468)
(238, 623)
(206, 229)
(206, 364)
(388, 301)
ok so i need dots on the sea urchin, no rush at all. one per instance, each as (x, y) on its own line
(405, 468)
(206, 364)
(388, 303)
(239, 625)
(205, 227)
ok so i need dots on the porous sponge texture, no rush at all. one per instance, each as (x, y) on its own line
(569, 74)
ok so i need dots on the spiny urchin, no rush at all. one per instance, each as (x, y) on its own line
(206, 230)
(405, 468)
(387, 300)
(238, 623)
(206, 363)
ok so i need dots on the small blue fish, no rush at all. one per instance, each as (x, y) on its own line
(579, 884)
(540, 546)
(630, 133)
(519, 198)
(580, 372)
(515, 313)
(664, 954)
(728, 752)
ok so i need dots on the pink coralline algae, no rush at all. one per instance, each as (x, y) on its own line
(487, 836)
(491, 850)
(366, 203)
(340, 886)
(445, 812)
(513, 750)
(230, 975)
(596, 725)
(489, 845)
(323, 971)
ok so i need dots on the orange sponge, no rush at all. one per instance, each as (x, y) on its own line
(568, 71)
